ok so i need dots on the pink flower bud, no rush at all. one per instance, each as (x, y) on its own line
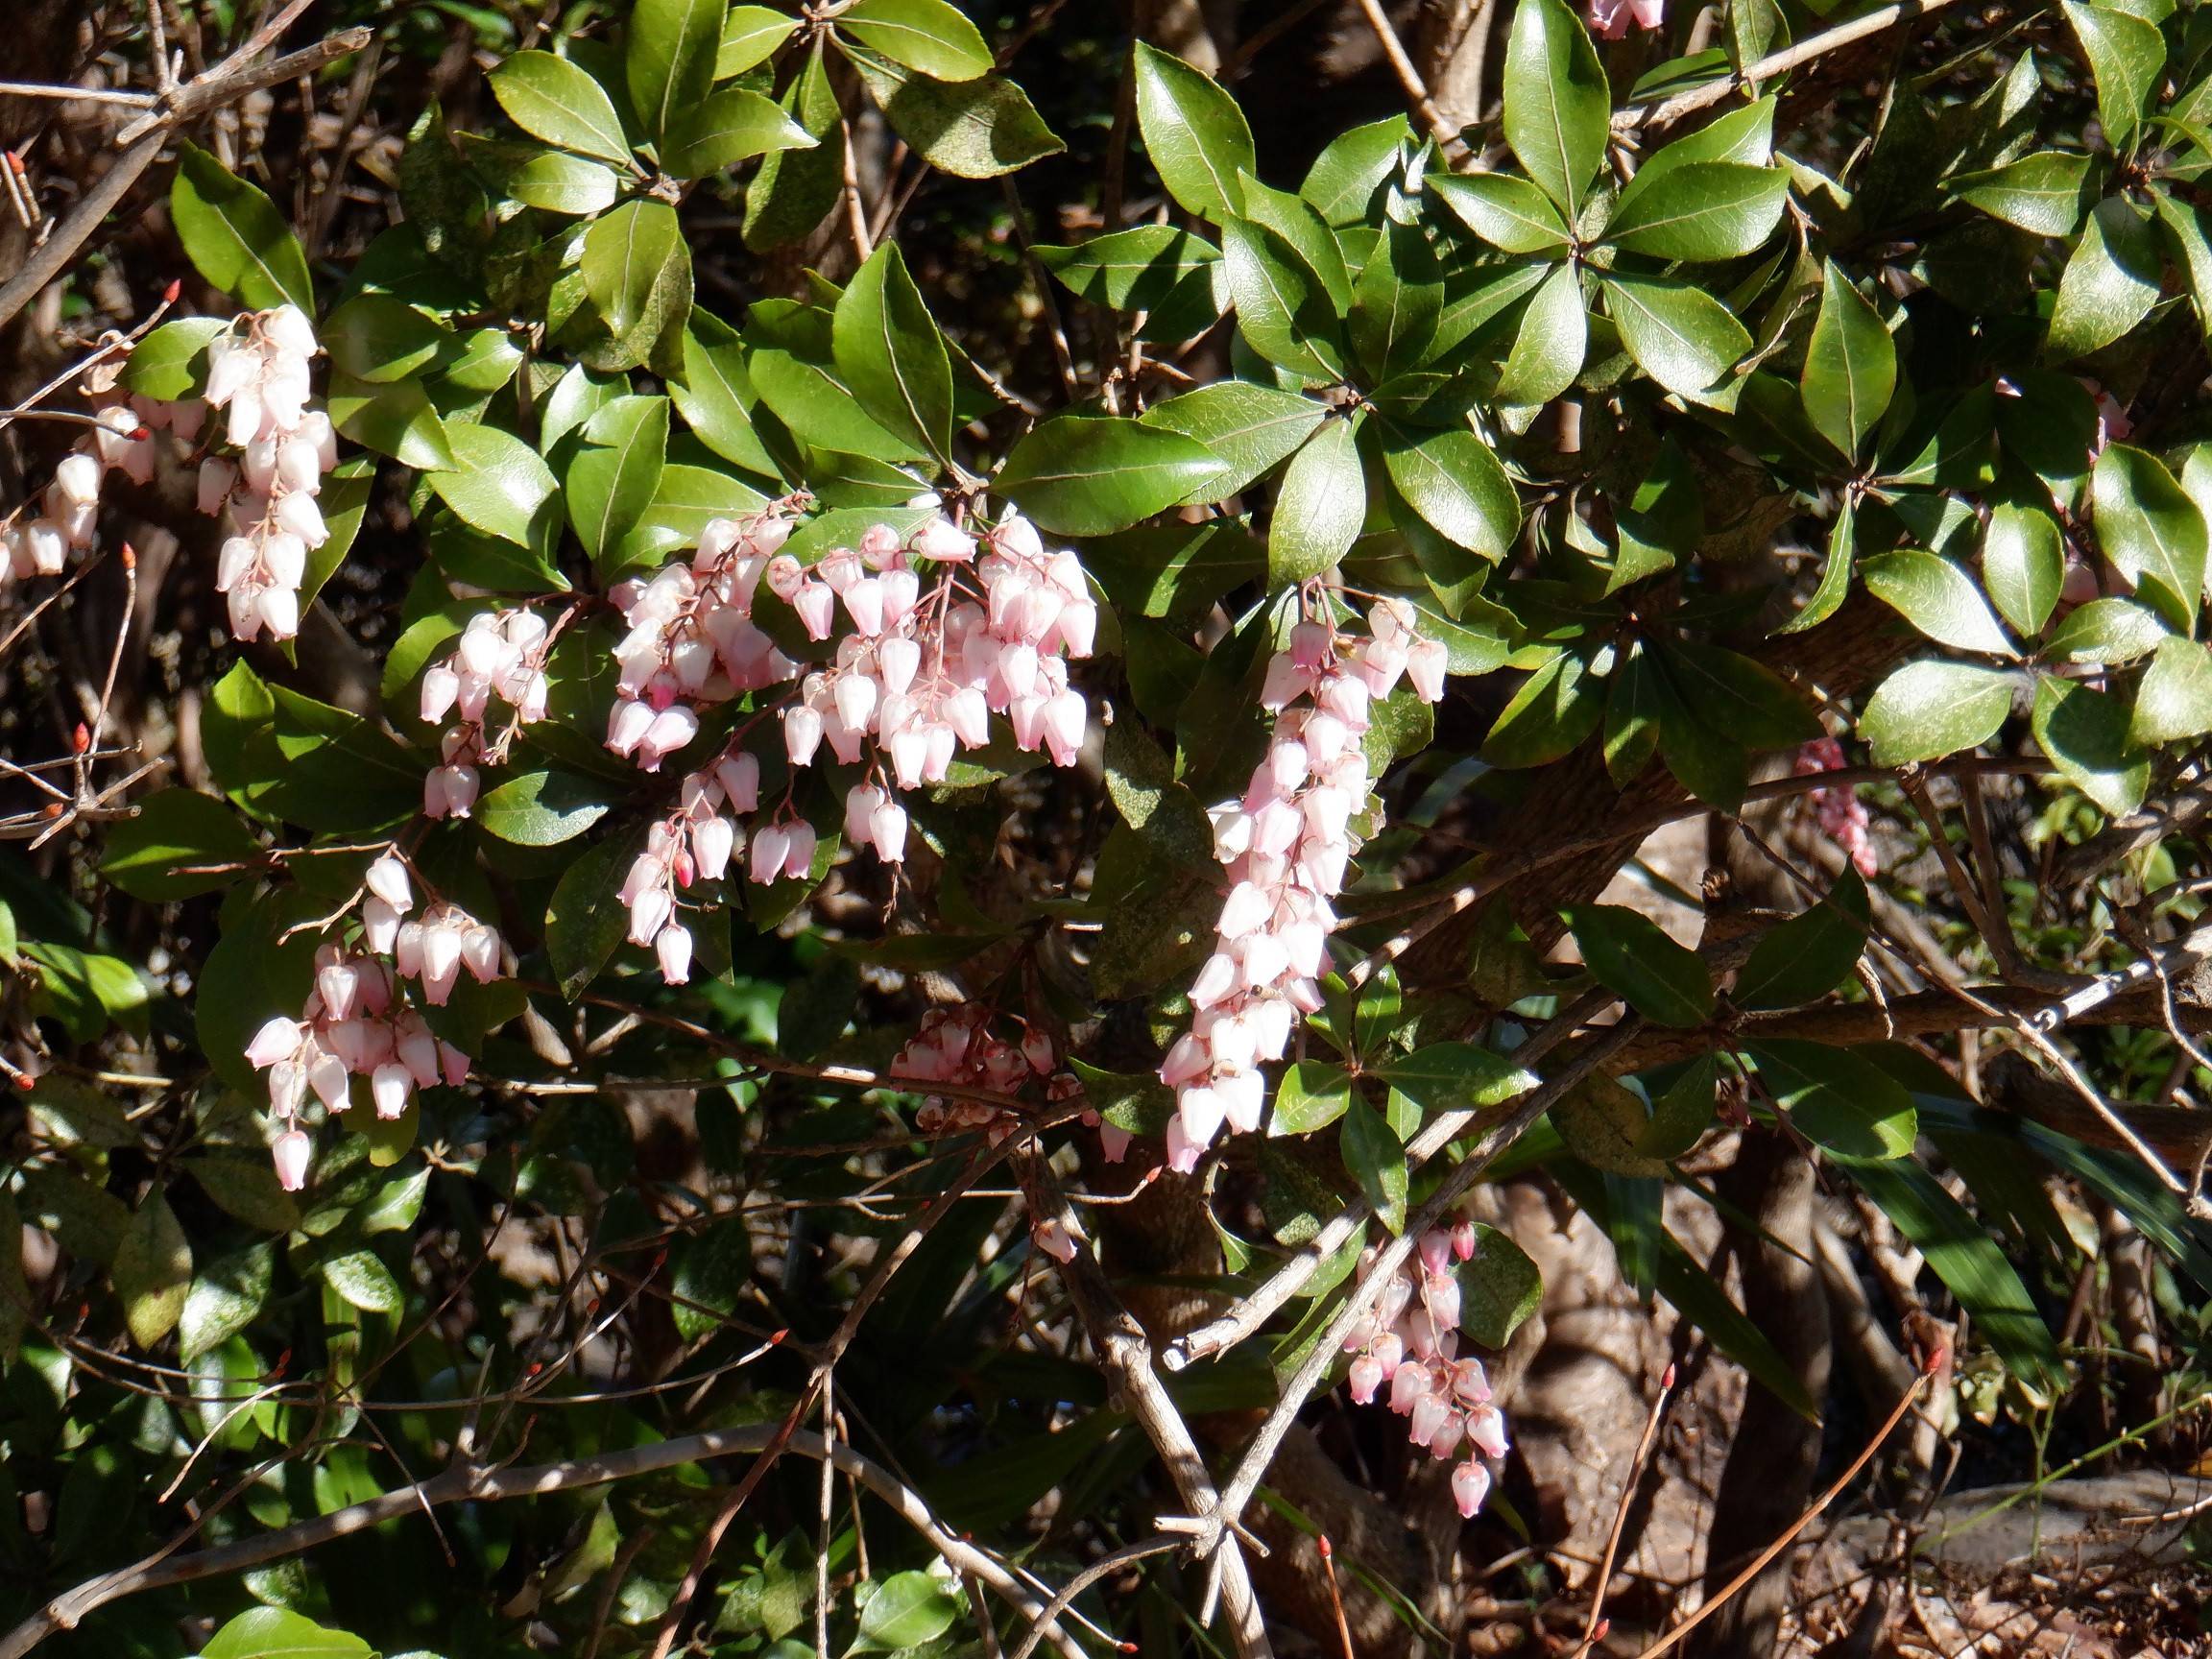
(802, 738)
(1054, 1240)
(441, 688)
(1470, 1485)
(739, 776)
(816, 606)
(770, 843)
(1364, 1379)
(799, 854)
(290, 1154)
(1463, 1240)
(278, 1039)
(387, 879)
(712, 841)
(389, 1086)
(887, 828)
(673, 947)
(1426, 664)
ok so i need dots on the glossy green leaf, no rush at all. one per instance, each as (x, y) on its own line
(1282, 309)
(1086, 476)
(1556, 709)
(1964, 1256)
(711, 1270)
(1559, 107)
(171, 363)
(1509, 213)
(890, 353)
(1458, 485)
(498, 485)
(1353, 166)
(1133, 270)
(1937, 598)
(1252, 428)
(1396, 303)
(2173, 702)
(975, 128)
(553, 179)
(750, 35)
(1633, 957)
(1926, 710)
(928, 36)
(1850, 370)
(730, 125)
(906, 1610)
(2106, 630)
(2110, 283)
(1195, 134)
(1319, 507)
(1838, 1097)
(624, 254)
(1499, 1288)
(1313, 1095)
(1456, 1076)
(2127, 54)
(179, 843)
(1682, 337)
(542, 809)
(1549, 350)
(669, 61)
(553, 99)
(2151, 530)
(794, 189)
(272, 1633)
(2045, 193)
(2023, 563)
(1706, 211)
(234, 235)
(152, 1271)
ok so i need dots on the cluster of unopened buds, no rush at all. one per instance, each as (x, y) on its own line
(1842, 816)
(356, 1021)
(940, 632)
(1286, 844)
(502, 652)
(1410, 1341)
(265, 493)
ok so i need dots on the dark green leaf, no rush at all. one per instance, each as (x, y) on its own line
(2023, 563)
(2044, 193)
(890, 353)
(152, 1271)
(1850, 368)
(1252, 428)
(1510, 214)
(542, 809)
(1631, 956)
(928, 36)
(2151, 530)
(1499, 1288)
(1682, 337)
(2127, 54)
(1456, 1078)
(1134, 270)
(1838, 1097)
(1458, 485)
(2085, 733)
(1808, 955)
(2110, 283)
(1377, 1160)
(2175, 700)
(1313, 1095)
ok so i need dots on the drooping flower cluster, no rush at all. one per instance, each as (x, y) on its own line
(257, 375)
(1410, 1341)
(500, 652)
(1843, 817)
(266, 494)
(939, 632)
(356, 1020)
(1286, 844)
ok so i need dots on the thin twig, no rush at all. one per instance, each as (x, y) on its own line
(1593, 1628)
(1790, 1535)
(1672, 109)
(1416, 90)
